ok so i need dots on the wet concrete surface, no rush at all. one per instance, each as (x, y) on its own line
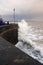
(4, 44)
(10, 55)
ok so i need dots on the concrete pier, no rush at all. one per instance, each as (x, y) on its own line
(10, 33)
(9, 54)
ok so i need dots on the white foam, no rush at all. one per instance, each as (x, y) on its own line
(31, 36)
(30, 51)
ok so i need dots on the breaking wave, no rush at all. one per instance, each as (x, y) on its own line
(30, 40)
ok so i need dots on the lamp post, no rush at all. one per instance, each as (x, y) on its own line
(14, 14)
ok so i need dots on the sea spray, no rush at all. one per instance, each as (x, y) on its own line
(30, 40)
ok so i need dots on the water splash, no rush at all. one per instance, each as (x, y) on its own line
(31, 40)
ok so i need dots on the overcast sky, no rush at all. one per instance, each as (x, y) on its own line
(21, 6)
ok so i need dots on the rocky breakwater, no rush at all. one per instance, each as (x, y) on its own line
(10, 33)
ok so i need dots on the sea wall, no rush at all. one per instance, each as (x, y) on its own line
(10, 33)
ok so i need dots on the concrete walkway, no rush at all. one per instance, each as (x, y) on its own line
(10, 55)
(4, 44)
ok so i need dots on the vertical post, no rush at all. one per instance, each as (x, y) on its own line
(14, 14)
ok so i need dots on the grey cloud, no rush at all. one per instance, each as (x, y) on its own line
(21, 6)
